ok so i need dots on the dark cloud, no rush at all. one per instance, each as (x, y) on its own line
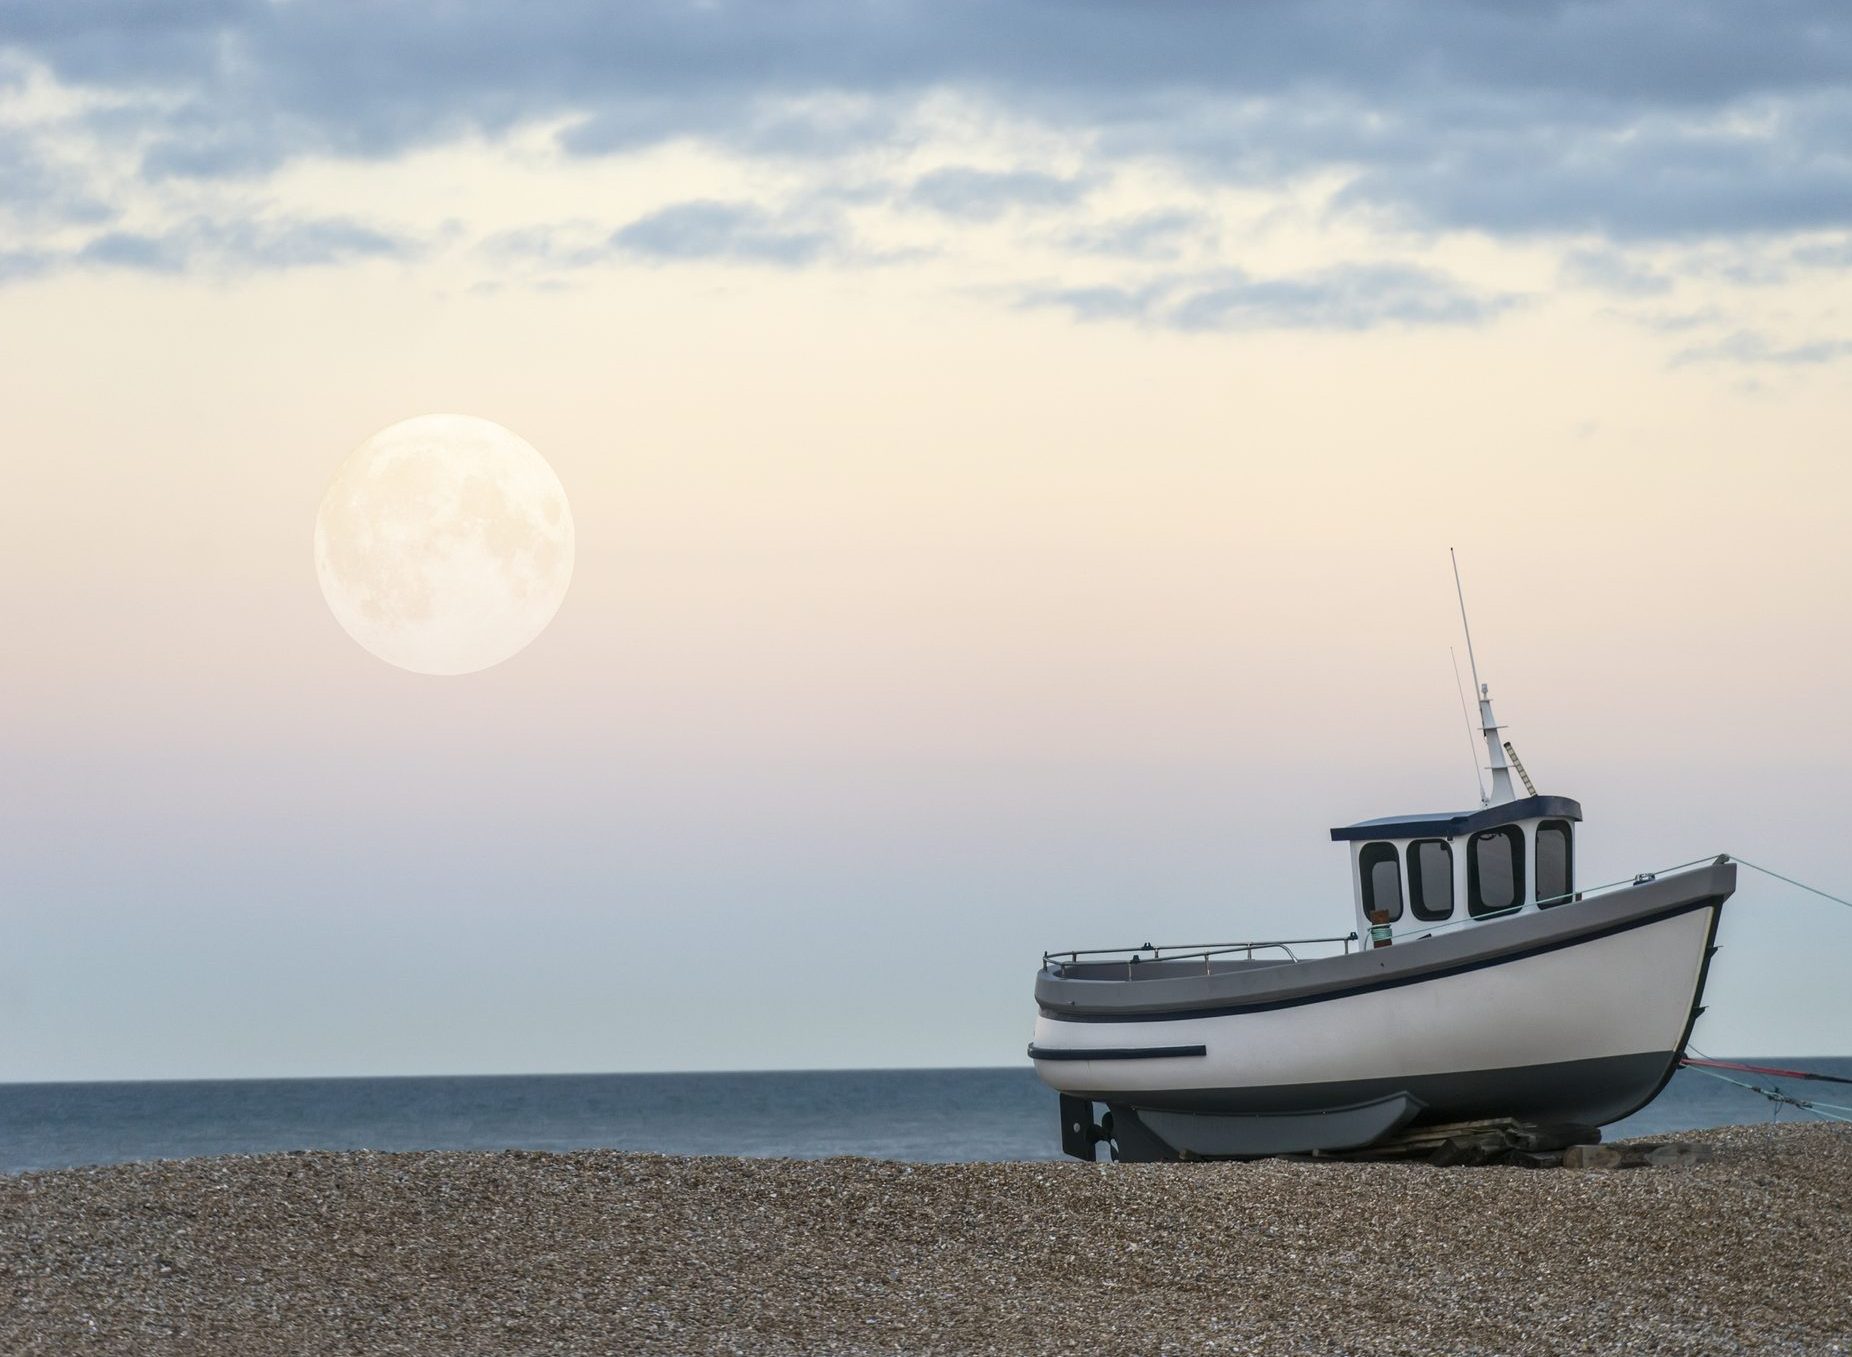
(1754, 347)
(984, 195)
(1624, 119)
(1350, 297)
(1657, 178)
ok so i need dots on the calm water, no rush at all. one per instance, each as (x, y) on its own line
(889, 1114)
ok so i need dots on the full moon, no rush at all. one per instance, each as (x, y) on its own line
(444, 544)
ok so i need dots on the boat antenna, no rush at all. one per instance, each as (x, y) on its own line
(1460, 688)
(1465, 626)
(1488, 723)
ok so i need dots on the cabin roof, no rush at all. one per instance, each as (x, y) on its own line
(1444, 825)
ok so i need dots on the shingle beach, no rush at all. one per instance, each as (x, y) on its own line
(608, 1252)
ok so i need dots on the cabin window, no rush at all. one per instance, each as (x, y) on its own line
(1555, 863)
(1381, 869)
(1495, 870)
(1430, 879)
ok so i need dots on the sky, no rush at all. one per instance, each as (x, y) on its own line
(1013, 451)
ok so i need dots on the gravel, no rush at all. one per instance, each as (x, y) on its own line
(608, 1252)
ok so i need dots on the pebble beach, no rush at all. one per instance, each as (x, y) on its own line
(610, 1252)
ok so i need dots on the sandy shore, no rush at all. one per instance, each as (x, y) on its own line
(605, 1252)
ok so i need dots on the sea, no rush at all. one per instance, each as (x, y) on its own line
(917, 1115)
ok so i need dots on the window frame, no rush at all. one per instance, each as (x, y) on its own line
(1567, 894)
(1475, 895)
(1367, 862)
(1416, 904)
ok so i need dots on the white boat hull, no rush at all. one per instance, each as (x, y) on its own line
(1578, 1016)
(1625, 994)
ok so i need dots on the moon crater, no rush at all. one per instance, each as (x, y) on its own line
(444, 544)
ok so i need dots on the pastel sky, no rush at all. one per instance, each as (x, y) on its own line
(1013, 450)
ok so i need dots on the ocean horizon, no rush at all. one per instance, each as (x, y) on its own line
(916, 1115)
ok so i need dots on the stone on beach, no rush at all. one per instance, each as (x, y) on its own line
(1749, 1249)
(1635, 1155)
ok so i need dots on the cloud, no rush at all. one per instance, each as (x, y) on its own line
(41, 191)
(221, 246)
(1695, 174)
(1672, 322)
(287, 244)
(706, 229)
(701, 230)
(1754, 347)
(148, 253)
(793, 125)
(1614, 120)
(1744, 264)
(1612, 271)
(1102, 302)
(1152, 235)
(1349, 297)
(17, 265)
(567, 245)
(984, 195)
(1824, 254)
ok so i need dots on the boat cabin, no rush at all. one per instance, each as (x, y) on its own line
(1411, 871)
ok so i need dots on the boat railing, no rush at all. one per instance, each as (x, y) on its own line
(1204, 952)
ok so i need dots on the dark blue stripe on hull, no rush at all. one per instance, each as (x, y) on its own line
(1113, 1053)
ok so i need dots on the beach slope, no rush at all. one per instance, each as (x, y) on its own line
(607, 1252)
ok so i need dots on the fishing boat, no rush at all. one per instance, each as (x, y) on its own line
(1477, 983)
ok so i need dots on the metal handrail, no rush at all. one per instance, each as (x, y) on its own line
(1189, 951)
(1204, 951)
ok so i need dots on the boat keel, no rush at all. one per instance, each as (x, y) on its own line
(1144, 1135)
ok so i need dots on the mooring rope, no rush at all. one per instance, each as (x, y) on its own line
(1715, 1068)
(1819, 1109)
(1772, 1071)
(1811, 890)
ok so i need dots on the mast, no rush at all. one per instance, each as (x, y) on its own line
(1488, 723)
